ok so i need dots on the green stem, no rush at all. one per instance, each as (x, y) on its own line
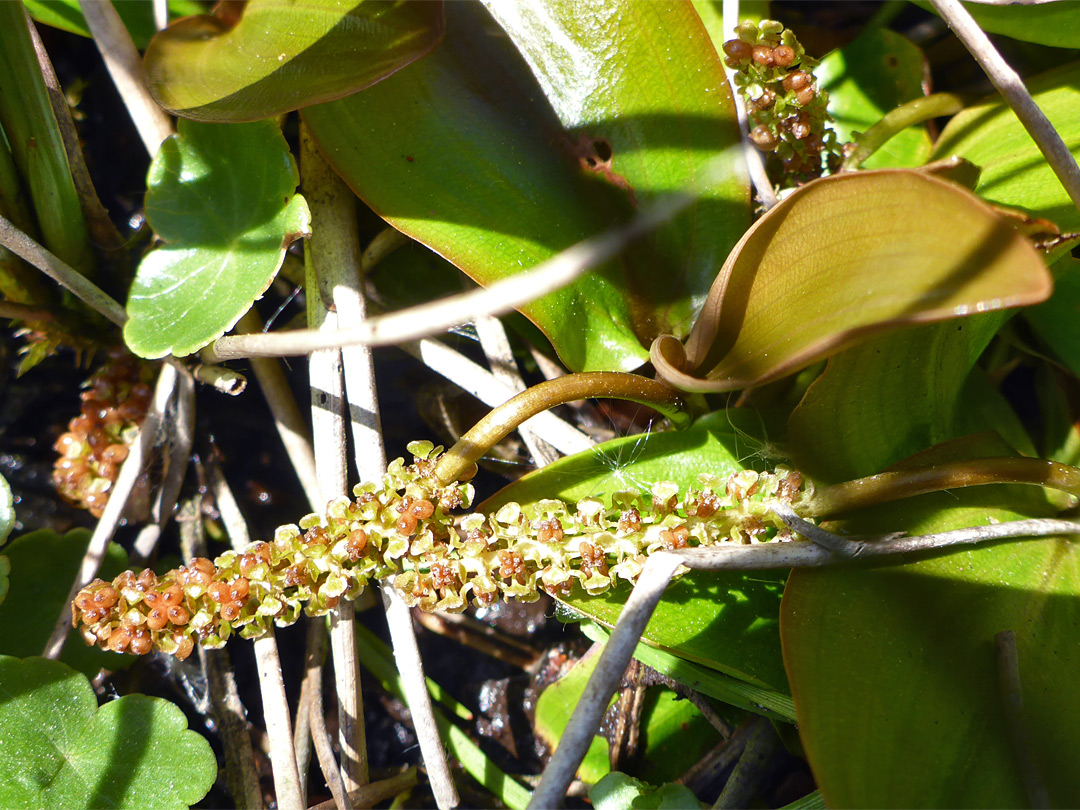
(906, 115)
(890, 486)
(507, 417)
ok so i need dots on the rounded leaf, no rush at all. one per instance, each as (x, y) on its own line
(222, 197)
(61, 750)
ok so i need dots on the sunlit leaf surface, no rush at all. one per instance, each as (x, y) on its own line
(844, 258)
(279, 55)
(222, 197)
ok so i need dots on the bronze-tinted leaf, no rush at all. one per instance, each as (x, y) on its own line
(281, 54)
(845, 258)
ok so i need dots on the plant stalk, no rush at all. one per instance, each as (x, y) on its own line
(834, 499)
(470, 448)
(895, 121)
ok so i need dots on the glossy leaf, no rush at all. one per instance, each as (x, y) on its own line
(873, 406)
(893, 669)
(222, 198)
(60, 750)
(873, 74)
(1057, 321)
(42, 566)
(1014, 171)
(726, 620)
(845, 258)
(638, 85)
(1056, 23)
(464, 152)
(280, 55)
(138, 16)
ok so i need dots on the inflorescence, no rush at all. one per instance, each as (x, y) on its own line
(405, 527)
(788, 111)
(99, 439)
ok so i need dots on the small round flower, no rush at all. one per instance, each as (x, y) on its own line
(738, 50)
(783, 55)
(762, 55)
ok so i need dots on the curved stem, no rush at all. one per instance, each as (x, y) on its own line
(505, 418)
(895, 484)
(906, 115)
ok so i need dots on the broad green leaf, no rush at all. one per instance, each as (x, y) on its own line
(893, 669)
(725, 620)
(277, 55)
(707, 681)
(554, 707)
(641, 81)
(1057, 321)
(844, 258)
(138, 15)
(7, 510)
(1056, 23)
(873, 74)
(1014, 171)
(892, 396)
(58, 749)
(464, 151)
(221, 196)
(617, 791)
(42, 567)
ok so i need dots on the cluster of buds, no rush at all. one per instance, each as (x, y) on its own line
(788, 111)
(405, 528)
(98, 440)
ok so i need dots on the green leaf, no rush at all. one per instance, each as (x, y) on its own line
(43, 565)
(642, 81)
(58, 749)
(7, 510)
(519, 188)
(1056, 24)
(222, 198)
(553, 709)
(725, 620)
(729, 690)
(1014, 171)
(138, 16)
(277, 55)
(881, 657)
(1057, 321)
(617, 791)
(844, 258)
(874, 406)
(873, 74)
